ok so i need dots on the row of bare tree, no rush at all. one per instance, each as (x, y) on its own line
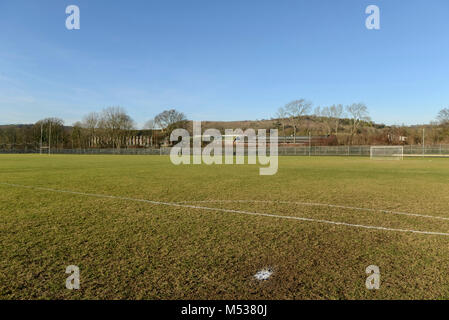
(112, 126)
(443, 116)
(294, 112)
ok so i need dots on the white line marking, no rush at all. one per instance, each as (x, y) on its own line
(320, 205)
(228, 210)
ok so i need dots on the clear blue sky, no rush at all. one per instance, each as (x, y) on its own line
(222, 60)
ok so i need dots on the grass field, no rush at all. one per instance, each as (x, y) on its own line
(129, 249)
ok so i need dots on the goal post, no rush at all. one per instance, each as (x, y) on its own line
(387, 153)
(44, 149)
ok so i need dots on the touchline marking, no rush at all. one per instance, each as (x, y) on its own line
(172, 204)
(320, 205)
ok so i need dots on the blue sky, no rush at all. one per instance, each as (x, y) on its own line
(222, 60)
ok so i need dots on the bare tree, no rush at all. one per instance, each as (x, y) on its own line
(325, 117)
(336, 112)
(52, 132)
(443, 116)
(282, 115)
(150, 125)
(78, 135)
(296, 110)
(330, 116)
(117, 124)
(358, 113)
(90, 123)
(168, 118)
(91, 120)
(10, 136)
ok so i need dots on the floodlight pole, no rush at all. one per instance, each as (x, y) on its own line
(310, 144)
(423, 141)
(49, 140)
(40, 149)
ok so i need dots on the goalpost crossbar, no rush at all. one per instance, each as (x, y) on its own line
(387, 153)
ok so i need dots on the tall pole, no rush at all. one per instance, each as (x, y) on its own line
(423, 141)
(40, 149)
(310, 144)
(49, 140)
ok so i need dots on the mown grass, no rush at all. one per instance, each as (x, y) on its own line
(135, 250)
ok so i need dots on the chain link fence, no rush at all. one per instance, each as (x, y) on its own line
(135, 151)
(433, 150)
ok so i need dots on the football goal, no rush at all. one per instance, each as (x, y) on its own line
(387, 153)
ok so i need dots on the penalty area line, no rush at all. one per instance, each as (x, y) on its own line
(179, 205)
(315, 204)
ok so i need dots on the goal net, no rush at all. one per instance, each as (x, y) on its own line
(44, 149)
(387, 153)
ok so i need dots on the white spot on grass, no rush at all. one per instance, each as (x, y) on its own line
(263, 274)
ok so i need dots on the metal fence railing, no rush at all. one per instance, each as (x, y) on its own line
(433, 150)
(325, 151)
(140, 151)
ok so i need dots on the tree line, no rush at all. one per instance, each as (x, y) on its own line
(352, 124)
(110, 128)
(294, 114)
(113, 127)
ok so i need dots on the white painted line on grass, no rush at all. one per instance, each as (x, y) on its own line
(321, 205)
(172, 204)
